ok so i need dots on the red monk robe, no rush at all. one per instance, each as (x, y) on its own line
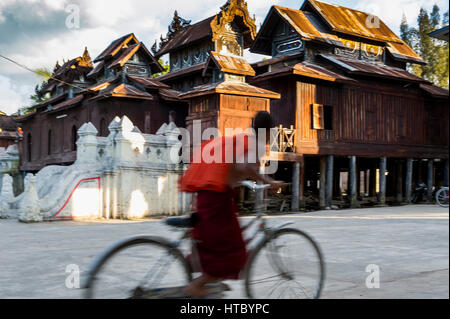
(221, 246)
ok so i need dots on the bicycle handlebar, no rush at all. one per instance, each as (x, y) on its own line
(253, 186)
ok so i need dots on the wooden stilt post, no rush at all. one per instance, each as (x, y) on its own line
(358, 181)
(446, 173)
(372, 180)
(323, 168)
(399, 180)
(408, 180)
(329, 181)
(352, 181)
(366, 182)
(336, 181)
(295, 186)
(430, 178)
(382, 182)
(301, 191)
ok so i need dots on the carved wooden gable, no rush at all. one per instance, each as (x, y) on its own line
(233, 29)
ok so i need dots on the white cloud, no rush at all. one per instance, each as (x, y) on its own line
(13, 95)
(391, 11)
(38, 35)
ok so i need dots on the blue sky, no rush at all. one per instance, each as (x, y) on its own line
(34, 33)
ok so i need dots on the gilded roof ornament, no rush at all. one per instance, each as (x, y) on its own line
(229, 12)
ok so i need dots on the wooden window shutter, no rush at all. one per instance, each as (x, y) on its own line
(317, 113)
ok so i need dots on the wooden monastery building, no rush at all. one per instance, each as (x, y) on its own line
(8, 130)
(120, 83)
(353, 124)
(353, 106)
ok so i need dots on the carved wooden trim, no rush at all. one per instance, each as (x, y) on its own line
(229, 12)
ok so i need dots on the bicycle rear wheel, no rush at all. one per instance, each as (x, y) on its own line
(138, 267)
(286, 265)
(442, 197)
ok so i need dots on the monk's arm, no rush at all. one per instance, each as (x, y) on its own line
(249, 171)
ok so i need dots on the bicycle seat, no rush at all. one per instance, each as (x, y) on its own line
(183, 222)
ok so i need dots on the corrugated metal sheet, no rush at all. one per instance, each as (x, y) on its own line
(230, 87)
(125, 55)
(353, 66)
(123, 90)
(182, 72)
(343, 21)
(362, 24)
(98, 68)
(231, 64)
(434, 90)
(402, 51)
(116, 45)
(73, 101)
(305, 27)
(149, 83)
(306, 69)
(196, 32)
(354, 22)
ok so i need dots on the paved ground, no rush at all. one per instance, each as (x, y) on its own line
(410, 244)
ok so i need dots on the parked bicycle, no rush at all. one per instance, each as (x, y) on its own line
(442, 197)
(283, 263)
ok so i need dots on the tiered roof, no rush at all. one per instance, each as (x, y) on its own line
(326, 23)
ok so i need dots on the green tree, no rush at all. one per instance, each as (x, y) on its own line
(45, 74)
(433, 51)
(165, 66)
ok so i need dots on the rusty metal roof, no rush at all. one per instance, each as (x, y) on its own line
(129, 52)
(306, 69)
(353, 22)
(116, 45)
(401, 51)
(170, 95)
(123, 90)
(71, 102)
(98, 68)
(434, 90)
(353, 66)
(148, 83)
(305, 25)
(230, 64)
(230, 87)
(329, 24)
(182, 72)
(193, 33)
(7, 123)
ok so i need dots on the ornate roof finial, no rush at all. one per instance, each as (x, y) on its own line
(229, 12)
(175, 26)
(86, 59)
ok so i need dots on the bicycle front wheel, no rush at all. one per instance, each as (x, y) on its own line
(137, 267)
(442, 197)
(287, 265)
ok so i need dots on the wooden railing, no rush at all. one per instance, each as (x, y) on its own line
(284, 140)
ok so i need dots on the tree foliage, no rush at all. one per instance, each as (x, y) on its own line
(165, 66)
(433, 51)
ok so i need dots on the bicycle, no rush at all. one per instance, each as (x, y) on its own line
(442, 196)
(268, 273)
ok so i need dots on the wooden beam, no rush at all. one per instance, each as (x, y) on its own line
(295, 186)
(329, 182)
(430, 180)
(399, 182)
(446, 173)
(408, 180)
(352, 182)
(322, 194)
(382, 182)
